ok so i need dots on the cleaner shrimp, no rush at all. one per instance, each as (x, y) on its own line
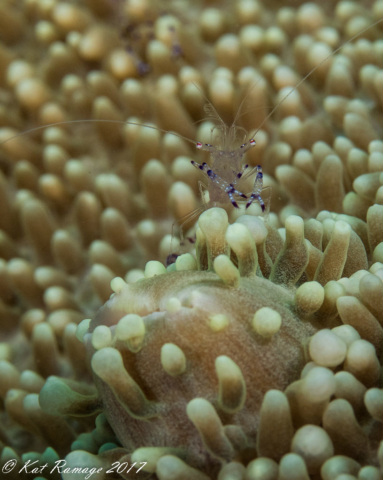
(226, 173)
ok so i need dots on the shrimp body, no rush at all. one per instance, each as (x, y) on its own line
(224, 174)
(226, 166)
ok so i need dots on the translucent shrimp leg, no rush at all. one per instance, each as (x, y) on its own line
(202, 189)
(227, 187)
(239, 175)
(248, 174)
(186, 218)
(257, 189)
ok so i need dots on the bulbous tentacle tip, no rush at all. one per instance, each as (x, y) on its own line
(226, 270)
(274, 441)
(150, 456)
(67, 397)
(171, 467)
(131, 331)
(213, 224)
(205, 418)
(266, 322)
(294, 257)
(107, 364)
(309, 298)
(241, 242)
(232, 387)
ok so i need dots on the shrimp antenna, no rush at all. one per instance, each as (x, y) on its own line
(208, 107)
(238, 114)
(94, 120)
(312, 71)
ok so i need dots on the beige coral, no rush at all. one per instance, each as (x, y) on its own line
(86, 203)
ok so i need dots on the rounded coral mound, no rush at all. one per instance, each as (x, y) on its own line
(191, 344)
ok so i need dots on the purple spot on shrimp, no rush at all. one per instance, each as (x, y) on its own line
(177, 51)
(171, 259)
(143, 69)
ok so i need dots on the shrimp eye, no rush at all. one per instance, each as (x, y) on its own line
(243, 145)
(208, 145)
(252, 142)
(199, 145)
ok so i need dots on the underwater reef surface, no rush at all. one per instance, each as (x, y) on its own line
(257, 354)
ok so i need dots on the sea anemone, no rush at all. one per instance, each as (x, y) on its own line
(258, 353)
(191, 364)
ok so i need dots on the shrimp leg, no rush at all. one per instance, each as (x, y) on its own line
(257, 189)
(202, 189)
(239, 175)
(227, 187)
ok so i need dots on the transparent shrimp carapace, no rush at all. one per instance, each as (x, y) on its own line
(227, 172)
